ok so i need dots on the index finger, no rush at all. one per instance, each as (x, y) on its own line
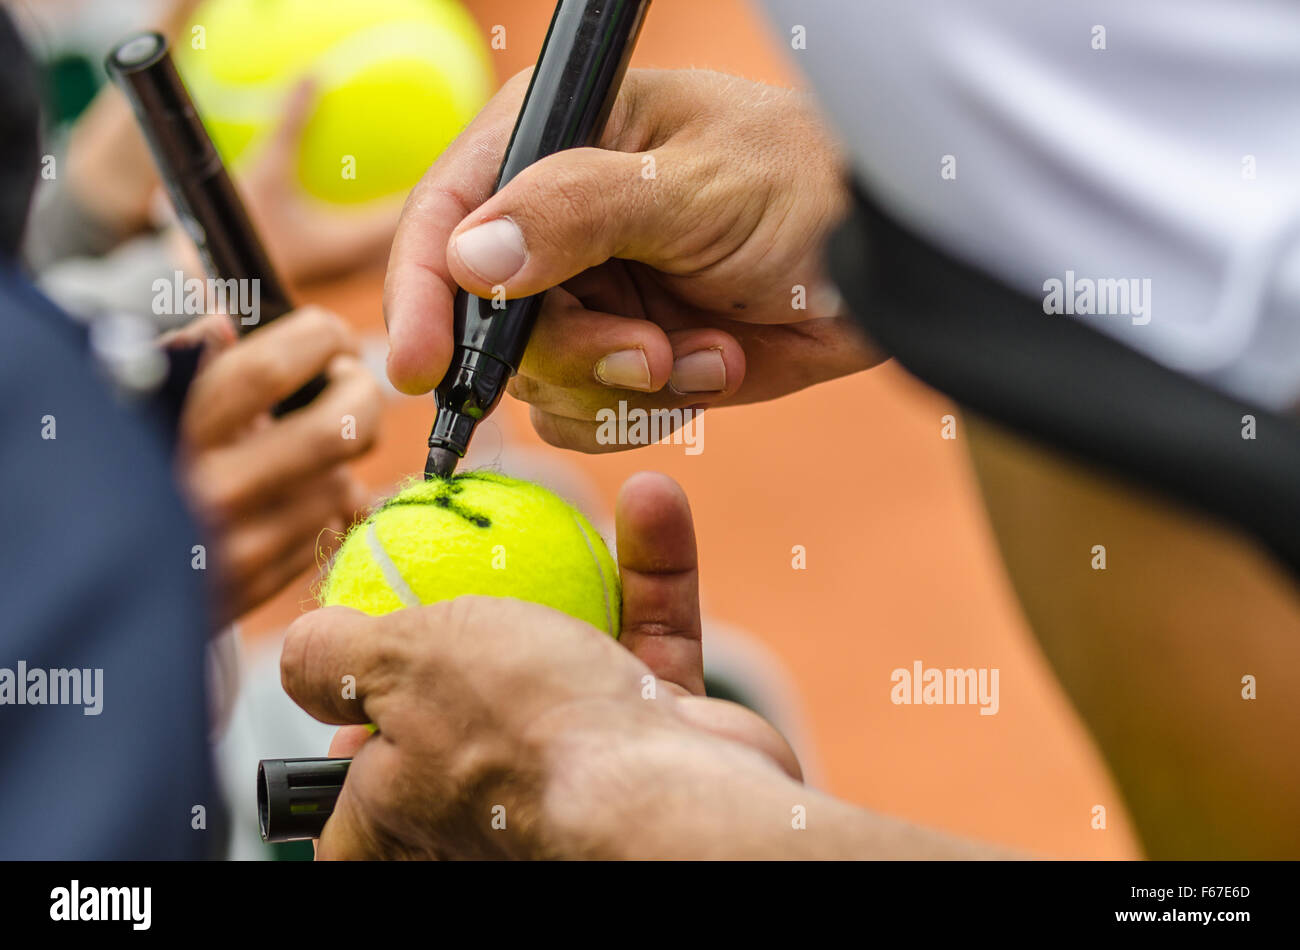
(418, 288)
(332, 659)
(250, 377)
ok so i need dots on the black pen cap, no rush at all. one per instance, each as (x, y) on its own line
(156, 92)
(295, 797)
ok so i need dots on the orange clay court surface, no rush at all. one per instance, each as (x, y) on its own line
(901, 564)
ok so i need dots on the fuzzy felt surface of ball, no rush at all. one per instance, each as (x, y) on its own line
(477, 533)
(394, 82)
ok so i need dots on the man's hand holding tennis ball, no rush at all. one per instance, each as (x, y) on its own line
(481, 702)
(509, 729)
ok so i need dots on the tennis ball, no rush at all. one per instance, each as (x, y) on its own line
(476, 533)
(395, 82)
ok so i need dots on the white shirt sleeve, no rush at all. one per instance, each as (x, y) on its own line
(1069, 147)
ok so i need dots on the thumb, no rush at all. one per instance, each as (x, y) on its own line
(659, 570)
(559, 217)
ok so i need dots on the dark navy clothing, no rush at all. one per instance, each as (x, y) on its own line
(95, 572)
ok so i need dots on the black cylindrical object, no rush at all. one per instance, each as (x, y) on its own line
(573, 88)
(295, 797)
(205, 198)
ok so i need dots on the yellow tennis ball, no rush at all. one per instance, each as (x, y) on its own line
(395, 81)
(477, 533)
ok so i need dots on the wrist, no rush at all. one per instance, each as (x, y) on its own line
(672, 792)
(683, 794)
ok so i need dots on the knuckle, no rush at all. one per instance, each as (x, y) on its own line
(364, 442)
(244, 554)
(394, 644)
(547, 428)
(477, 770)
(328, 433)
(467, 619)
(526, 389)
(388, 654)
(264, 369)
(462, 615)
(576, 435)
(339, 436)
(431, 192)
(223, 504)
(313, 315)
(370, 406)
(331, 327)
(339, 486)
(654, 628)
(219, 499)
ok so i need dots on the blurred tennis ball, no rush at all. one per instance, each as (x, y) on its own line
(395, 81)
(477, 533)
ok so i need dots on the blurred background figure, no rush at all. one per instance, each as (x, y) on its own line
(97, 588)
(308, 103)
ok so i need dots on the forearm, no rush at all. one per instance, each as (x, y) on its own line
(695, 797)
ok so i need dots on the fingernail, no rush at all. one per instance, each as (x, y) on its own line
(494, 251)
(626, 369)
(699, 372)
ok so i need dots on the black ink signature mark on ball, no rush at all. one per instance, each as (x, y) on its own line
(444, 499)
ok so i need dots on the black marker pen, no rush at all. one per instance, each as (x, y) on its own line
(573, 88)
(205, 199)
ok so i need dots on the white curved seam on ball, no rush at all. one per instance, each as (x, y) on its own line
(396, 582)
(600, 572)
